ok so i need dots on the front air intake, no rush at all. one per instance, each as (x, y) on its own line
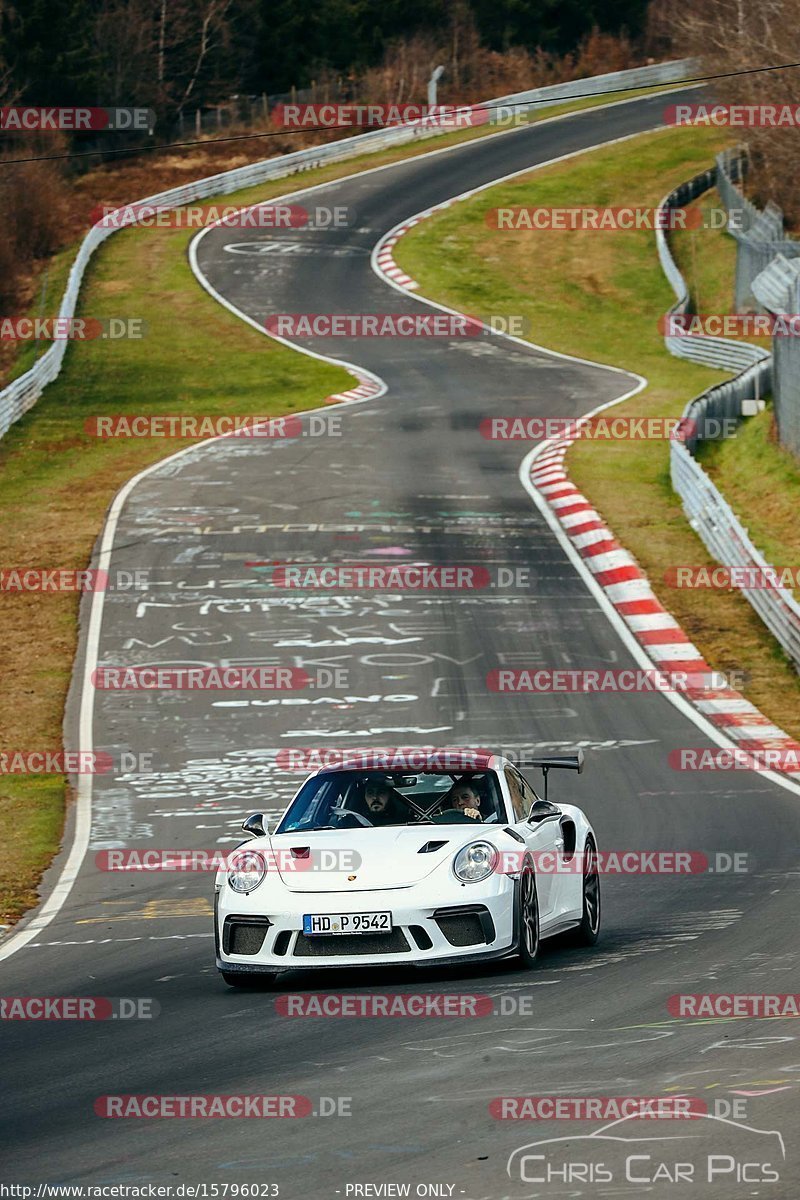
(244, 935)
(466, 925)
(349, 944)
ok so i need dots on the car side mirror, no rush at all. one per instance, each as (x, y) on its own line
(254, 825)
(541, 810)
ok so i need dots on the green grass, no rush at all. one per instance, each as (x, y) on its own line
(706, 257)
(761, 481)
(599, 296)
(56, 481)
(49, 291)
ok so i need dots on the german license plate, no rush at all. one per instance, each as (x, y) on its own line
(366, 922)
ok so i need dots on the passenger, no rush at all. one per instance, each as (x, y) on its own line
(383, 805)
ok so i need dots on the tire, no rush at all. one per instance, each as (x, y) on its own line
(587, 933)
(528, 916)
(252, 981)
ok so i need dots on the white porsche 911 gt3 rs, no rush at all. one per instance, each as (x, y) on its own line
(371, 866)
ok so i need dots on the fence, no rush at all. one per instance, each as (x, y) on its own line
(759, 234)
(252, 111)
(22, 394)
(777, 288)
(714, 521)
(767, 267)
(710, 351)
(706, 508)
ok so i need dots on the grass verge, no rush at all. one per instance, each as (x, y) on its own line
(758, 477)
(600, 296)
(127, 182)
(56, 481)
(761, 482)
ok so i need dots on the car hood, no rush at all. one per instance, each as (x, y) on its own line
(356, 860)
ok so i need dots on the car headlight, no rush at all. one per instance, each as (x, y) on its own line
(246, 871)
(475, 862)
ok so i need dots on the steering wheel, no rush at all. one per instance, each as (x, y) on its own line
(349, 812)
(446, 817)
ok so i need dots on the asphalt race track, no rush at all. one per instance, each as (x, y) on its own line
(409, 477)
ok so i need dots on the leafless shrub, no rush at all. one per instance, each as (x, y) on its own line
(474, 73)
(733, 36)
(33, 207)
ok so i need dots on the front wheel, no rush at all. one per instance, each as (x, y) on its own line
(587, 933)
(528, 916)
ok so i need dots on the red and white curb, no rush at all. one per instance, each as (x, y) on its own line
(628, 590)
(625, 586)
(382, 256)
(385, 259)
(367, 387)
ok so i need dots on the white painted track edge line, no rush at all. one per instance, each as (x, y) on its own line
(684, 706)
(52, 904)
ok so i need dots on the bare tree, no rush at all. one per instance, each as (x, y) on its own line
(731, 35)
(123, 38)
(211, 34)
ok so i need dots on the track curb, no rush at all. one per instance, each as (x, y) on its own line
(612, 568)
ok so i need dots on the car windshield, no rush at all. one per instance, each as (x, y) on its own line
(370, 799)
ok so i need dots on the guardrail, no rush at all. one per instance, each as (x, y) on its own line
(710, 351)
(731, 169)
(715, 522)
(22, 394)
(777, 288)
(759, 233)
(707, 510)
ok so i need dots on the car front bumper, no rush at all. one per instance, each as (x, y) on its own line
(459, 925)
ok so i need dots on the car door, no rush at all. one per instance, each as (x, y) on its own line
(543, 839)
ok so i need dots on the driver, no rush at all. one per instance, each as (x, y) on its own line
(382, 803)
(465, 798)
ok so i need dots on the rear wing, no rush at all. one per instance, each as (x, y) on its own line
(546, 763)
